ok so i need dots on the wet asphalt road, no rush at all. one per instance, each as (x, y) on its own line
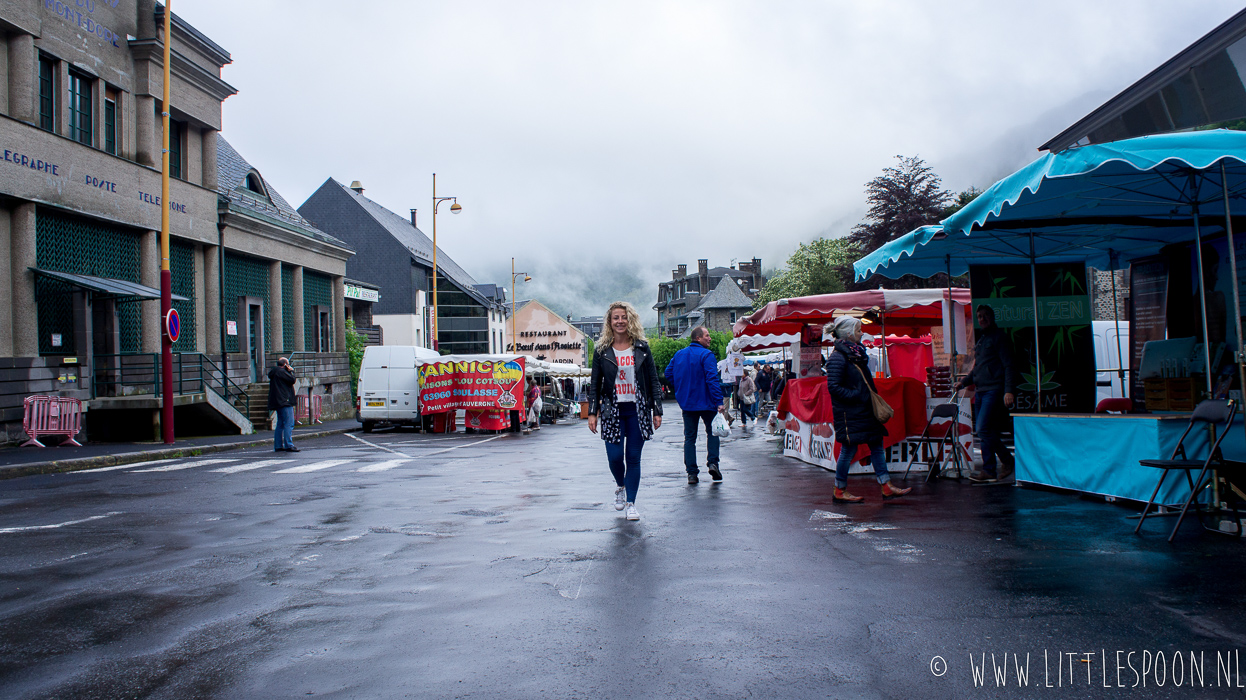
(404, 565)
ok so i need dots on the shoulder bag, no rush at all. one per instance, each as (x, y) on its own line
(882, 410)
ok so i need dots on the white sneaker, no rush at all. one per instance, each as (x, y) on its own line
(620, 498)
(632, 513)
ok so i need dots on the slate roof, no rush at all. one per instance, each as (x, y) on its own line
(231, 176)
(414, 240)
(493, 291)
(726, 295)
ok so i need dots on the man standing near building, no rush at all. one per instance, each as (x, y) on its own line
(693, 372)
(281, 399)
(995, 377)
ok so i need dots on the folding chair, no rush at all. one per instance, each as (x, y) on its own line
(948, 443)
(1218, 414)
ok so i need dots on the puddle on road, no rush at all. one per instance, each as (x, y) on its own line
(827, 521)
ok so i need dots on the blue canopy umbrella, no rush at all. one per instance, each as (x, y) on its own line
(1101, 204)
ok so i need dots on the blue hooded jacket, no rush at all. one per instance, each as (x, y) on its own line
(693, 372)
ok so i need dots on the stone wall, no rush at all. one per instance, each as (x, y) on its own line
(1101, 294)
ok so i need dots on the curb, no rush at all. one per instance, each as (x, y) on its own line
(85, 463)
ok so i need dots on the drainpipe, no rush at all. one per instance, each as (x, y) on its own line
(222, 206)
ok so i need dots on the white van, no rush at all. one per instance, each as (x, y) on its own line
(1108, 359)
(388, 385)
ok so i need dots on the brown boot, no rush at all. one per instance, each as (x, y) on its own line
(890, 491)
(842, 496)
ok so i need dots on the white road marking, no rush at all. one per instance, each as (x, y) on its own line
(458, 447)
(248, 466)
(313, 467)
(382, 466)
(373, 444)
(186, 465)
(6, 530)
(130, 465)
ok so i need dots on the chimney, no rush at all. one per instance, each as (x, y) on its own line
(703, 267)
(357, 186)
(674, 274)
(683, 270)
(413, 211)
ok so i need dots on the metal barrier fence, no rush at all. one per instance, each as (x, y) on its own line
(309, 410)
(52, 415)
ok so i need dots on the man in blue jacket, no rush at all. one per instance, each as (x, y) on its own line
(694, 373)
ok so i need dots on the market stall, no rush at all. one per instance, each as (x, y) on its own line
(903, 321)
(806, 414)
(1164, 205)
(485, 387)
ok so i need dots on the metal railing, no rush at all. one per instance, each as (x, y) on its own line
(139, 374)
(304, 363)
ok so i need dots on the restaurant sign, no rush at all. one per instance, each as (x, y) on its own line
(354, 291)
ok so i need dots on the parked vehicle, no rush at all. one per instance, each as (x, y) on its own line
(389, 386)
(1108, 360)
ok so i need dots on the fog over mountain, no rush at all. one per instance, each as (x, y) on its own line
(601, 144)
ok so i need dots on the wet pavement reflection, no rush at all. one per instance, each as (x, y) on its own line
(396, 564)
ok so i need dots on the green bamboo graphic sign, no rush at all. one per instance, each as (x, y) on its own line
(1065, 340)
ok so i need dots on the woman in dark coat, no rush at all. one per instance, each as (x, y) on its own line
(625, 393)
(849, 383)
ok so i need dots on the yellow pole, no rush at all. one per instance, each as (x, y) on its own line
(435, 261)
(166, 291)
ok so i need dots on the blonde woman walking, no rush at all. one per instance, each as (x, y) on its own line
(625, 398)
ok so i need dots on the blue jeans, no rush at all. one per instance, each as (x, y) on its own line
(878, 457)
(749, 410)
(283, 433)
(691, 419)
(624, 457)
(990, 405)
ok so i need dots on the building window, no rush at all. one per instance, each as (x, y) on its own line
(176, 134)
(253, 184)
(47, 94)
(110, 121)
(80, 113)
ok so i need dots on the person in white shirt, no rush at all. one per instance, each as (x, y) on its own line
(625, 394)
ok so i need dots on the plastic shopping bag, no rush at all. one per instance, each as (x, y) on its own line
(719, 427)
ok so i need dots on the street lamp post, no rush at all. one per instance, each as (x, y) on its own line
(454, 209)
(166, 280)
(526, 278)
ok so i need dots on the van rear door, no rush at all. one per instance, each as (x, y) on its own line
(403, 405)
(374, 383)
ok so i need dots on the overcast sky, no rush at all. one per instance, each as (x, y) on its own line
(604, 143)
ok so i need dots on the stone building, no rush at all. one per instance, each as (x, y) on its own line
(80, 210)
(394, 254)
(682, 295)
(721, 307)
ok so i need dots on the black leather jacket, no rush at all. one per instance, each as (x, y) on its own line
(606, 368)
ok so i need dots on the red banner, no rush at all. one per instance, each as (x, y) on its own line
(471, 382)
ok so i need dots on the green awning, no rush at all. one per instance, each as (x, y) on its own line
(107, 285)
